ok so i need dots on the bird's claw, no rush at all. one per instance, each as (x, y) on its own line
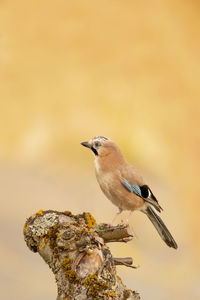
(124, 222)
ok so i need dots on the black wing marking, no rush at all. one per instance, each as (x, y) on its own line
(149, 197)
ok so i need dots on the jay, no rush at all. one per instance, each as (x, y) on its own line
(123, 186)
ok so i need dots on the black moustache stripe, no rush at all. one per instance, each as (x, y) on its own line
(94, 150)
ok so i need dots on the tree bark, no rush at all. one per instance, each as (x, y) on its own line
(75, 249)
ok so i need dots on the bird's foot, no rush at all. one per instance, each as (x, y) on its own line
(124, 222)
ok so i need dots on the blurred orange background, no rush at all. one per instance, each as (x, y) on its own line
(129, 70)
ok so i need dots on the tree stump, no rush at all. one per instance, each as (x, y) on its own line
(75, 248)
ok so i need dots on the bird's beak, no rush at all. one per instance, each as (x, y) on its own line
(86, 144)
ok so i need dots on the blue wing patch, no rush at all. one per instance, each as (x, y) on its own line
(132, 187)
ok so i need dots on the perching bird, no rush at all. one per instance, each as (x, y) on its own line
(123, 186)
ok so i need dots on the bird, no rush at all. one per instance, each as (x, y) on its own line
(124, 186)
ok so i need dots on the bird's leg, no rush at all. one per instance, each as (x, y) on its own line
(125, 222)
(115, 217)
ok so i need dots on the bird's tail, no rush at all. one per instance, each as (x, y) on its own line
(160, 227)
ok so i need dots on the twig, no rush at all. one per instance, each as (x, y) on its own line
(125, 261)
(119, 233)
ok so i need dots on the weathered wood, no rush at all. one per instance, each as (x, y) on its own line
(119, 233)
(75, 249)
(125, 261)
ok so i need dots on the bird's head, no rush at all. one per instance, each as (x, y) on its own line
(101, 146)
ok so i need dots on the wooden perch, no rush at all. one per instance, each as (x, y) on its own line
(119, 233)
(75, 249)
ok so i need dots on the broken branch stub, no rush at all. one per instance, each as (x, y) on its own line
(77, 254)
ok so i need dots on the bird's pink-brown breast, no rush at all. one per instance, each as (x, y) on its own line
(110, 182)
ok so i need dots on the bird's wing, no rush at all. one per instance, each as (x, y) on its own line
(133, 182)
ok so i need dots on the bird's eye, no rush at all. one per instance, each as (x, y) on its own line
(97, 144)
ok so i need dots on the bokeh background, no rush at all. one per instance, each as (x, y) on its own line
(129, 70)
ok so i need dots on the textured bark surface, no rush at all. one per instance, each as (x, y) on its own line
(75, 249)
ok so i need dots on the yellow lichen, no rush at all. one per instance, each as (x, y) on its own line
(111, 294)
(59, 236)
(119, 278)
(25, 225)
(131, 291)
(46, 239)
(52, 235)
(94, 285)
(40, 212)
(90, 221)
(69, 273)
(66, 264)
(41, 245)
